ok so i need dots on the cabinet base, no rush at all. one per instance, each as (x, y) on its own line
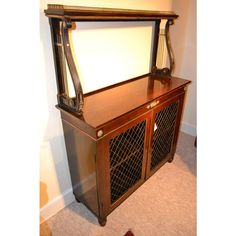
(170, 160)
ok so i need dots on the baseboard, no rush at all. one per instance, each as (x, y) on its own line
(188, 128)
(64, 199)
(57, 204)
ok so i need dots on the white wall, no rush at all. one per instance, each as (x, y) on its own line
(55, 183)
(183, 37)
(108, 53)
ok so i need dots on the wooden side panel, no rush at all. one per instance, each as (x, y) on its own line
(177, 127)
(81, 154)
(103, 181)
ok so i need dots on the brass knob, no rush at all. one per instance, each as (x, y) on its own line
(100, 133)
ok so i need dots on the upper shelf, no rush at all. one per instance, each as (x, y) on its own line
(109, 14)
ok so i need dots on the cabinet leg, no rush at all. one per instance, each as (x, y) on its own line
(77, 199)
(102, 221)
(170, 160)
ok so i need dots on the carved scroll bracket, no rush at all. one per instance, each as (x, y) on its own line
(168, 45)
(166, 71)
(79, 99)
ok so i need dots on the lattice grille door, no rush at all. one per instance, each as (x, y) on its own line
(126, 158)
(163, 133)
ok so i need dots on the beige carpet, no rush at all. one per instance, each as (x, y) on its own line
(164, 205)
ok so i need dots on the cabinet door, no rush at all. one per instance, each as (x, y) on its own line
(125, 158)
(164, 133)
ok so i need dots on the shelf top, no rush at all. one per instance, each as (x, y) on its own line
(107, 104)
(95, 13)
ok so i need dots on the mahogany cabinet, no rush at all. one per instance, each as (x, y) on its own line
(118, 136)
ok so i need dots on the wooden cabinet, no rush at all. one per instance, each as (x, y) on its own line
(118, 136)
(126, 149)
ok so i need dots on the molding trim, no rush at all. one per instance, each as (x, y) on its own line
(188, 128)
(57, 204)
(64, 199)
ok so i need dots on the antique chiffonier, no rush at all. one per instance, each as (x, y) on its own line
(118, 136)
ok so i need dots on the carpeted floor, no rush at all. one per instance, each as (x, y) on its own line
(164, 205)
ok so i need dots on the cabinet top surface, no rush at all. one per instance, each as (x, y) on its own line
(93, 13)
(108, 104)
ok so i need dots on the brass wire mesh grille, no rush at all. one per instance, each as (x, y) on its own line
(126, 157)
(163, 134)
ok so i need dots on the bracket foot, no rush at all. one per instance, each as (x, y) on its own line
(102, 222)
